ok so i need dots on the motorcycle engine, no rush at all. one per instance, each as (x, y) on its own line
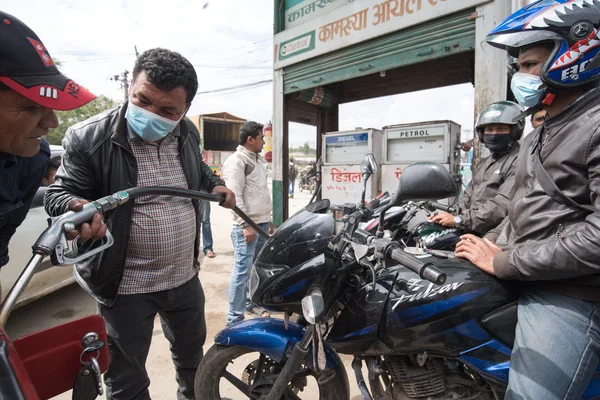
(422, 377)
(418, 381)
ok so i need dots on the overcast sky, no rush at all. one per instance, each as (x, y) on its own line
(228, 41)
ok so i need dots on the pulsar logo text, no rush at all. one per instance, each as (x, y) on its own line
(415, 286)
(431, 237)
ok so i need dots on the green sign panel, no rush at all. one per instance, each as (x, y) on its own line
(298, 45)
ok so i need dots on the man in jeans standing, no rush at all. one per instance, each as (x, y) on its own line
(207, 239)
(245, 173)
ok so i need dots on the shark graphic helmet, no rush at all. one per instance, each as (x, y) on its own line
(570, 27)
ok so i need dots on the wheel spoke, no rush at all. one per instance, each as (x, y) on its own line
(238, 383)
(260, 366)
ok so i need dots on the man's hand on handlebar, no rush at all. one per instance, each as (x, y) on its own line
(229, 201)
(96, 230)
(443, 218)
(480, 252)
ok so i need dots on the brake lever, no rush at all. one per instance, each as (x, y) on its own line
(60, 257)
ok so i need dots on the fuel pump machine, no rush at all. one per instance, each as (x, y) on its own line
(406, 144)
(342, 154)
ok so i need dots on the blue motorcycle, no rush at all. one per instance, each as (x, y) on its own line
(425, 325)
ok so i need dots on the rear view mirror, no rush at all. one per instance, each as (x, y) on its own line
(369, 165)
(424, 181)
(313, 306)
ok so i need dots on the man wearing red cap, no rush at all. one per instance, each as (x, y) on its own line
(31, 87)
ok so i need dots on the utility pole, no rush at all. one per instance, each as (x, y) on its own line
(126, 84)
(124, 81)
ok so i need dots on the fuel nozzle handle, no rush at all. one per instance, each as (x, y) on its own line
(63, 224)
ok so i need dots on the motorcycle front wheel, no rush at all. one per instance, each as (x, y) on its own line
(236, 372)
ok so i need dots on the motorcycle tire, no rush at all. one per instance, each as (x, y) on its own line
(214, 364)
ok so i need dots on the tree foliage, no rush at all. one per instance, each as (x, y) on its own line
(67, 119)
(305, 149)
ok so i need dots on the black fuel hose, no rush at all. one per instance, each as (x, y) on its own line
(70, 220)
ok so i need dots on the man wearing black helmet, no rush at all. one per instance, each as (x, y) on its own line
(551, 238)
(484, 204)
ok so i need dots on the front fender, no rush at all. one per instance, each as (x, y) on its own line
(269, 337)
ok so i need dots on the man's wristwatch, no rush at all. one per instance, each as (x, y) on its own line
(244, 225)
(458, 222)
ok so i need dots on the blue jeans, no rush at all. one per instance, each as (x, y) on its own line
(207, 238)
(244, 255)
(292, 185)
(557, 347)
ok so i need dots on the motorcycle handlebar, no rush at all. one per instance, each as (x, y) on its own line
(443, 207)
(425, 270)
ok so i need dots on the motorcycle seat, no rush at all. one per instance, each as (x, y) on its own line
(502, 322)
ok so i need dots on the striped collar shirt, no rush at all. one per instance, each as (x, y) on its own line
(163, 228)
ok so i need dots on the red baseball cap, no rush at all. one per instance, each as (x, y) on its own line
(27, 68)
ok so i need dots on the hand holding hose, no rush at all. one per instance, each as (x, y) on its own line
(228, 195)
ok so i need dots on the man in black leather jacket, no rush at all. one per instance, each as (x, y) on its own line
(153, 265)
(551, 238)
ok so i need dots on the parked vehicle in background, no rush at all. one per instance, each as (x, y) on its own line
(219, 137)
(48, 278)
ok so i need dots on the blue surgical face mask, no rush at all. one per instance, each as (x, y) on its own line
(528, 89)
(147, 125)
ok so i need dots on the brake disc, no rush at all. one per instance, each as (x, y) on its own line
(270, 372)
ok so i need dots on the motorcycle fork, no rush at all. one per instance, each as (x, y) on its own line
(291, 366)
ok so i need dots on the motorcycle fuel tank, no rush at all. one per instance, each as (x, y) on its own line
(405, 314)
(438, 237)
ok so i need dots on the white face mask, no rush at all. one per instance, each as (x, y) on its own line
(528, 89)
(149, 126)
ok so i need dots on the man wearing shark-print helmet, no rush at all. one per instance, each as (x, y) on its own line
(550, 240)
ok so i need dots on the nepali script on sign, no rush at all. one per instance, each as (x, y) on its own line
(397, 8)
(344, 27)
(307, 9)
(382, 13)
(339, 176)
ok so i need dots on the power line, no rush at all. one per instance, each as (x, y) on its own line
(247, 66)
(244, 53)
(242, 86)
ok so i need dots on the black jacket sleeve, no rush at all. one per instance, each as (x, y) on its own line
(74, 179)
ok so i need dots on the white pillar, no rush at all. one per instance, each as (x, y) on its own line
(490, 66)
(278, 149)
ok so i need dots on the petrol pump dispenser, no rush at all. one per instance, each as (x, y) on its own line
(406, 144)
(342, 154)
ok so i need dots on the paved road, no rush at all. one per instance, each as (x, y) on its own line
(72, 303)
